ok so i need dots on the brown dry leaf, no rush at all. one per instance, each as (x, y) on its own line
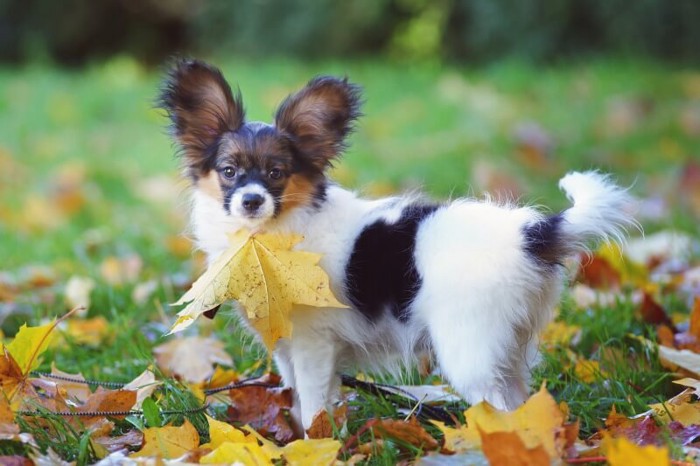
(689, 186)
(653, 313)
(322, 427)
(8, 429)
(130, 439)
(72, 391)
(534, 146)
(694, 329)
(407, 431)
(168, 442)
(15, 460)
(508, 449)
(106, 400)
(597, 272)
(266, 277)
(263, 409)
(191, 358)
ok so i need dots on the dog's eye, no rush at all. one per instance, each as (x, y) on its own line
(275, 174)
(229, 172)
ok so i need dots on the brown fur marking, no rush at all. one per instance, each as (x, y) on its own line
(209, 185)
(299, 191)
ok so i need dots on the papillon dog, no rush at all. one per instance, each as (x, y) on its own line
(470, 282)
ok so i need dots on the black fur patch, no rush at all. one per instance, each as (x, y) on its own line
(381, 273)
(543, 240)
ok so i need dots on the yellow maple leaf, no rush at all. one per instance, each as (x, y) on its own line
(538, 422)
(29, 344)
(168, 442)
(321, 452)
(266, 277)
(248, 454)
(681, 407)
(221, 432)
(21, 356)
(622, 452)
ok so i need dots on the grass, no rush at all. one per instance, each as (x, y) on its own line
(87, 173)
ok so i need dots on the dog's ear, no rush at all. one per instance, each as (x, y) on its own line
(202, 107)
(319, 117)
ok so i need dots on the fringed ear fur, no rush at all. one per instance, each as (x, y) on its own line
(202, 108)
(319, 117)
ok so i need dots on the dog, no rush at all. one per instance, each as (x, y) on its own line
(471, 282)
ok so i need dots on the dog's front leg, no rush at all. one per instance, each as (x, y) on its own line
(285, 368)
(314, 357)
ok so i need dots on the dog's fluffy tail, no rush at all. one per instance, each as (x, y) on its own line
(601, 211)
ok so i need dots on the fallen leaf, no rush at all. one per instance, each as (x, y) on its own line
(597, 272)
(673, 359)
(130, 439)
(694, 328)
(689, 186)
(144, 385)
(588, 371)
(90, 332)
(321, 425)
(77, 292)
(20, 357)
(15, 460)
(538, 422)
(118, 271)
(77, 392)
(535, 145)
(653, 313)
(409, 431)
(30, 343)
(222, 432)
(106, 400)
(168, 442)
(560, 334)
(321, 452)
(680, 408)
(508, 449)
(143, 291)
(622, 452)
(8, 428)
(191, 358)
(266, 277)
(263, 409)
(248, 454)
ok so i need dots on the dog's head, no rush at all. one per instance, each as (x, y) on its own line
(257, 171)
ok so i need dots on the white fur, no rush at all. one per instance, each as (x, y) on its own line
(481, 305)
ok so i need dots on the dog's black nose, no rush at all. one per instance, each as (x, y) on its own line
(252, 201)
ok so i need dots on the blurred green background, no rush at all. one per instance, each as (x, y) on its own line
(462, 97)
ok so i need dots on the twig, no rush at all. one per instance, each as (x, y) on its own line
(405, 399)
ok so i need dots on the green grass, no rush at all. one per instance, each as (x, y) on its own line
(424, 126)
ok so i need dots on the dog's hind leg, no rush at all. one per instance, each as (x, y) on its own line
(477, 352)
